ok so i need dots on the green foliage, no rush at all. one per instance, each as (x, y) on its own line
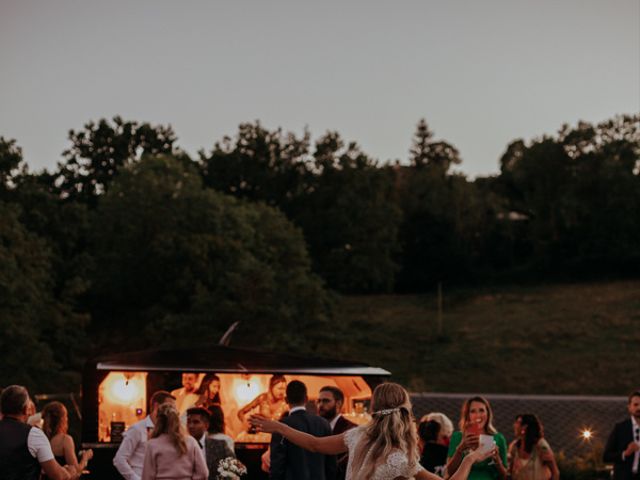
(350, 219)
(258, 165)
(587, 466)
(436, 156)
(580, 192)
(340, 198)
(10, 163)
(36, 329)
(176, 263)
(101, 149)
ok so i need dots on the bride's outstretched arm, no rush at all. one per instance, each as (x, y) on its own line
(463, 469)
(330, 445)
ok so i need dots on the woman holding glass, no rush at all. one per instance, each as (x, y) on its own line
(476, 428)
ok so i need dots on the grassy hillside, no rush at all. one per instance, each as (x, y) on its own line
(551, 339)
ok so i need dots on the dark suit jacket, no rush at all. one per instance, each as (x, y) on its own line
(214, 451)
(290, 462)
(617, 443)
(341, 426)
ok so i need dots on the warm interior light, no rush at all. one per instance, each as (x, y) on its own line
(587, 434)
(246, 388)
(122, 398)
(124, 391)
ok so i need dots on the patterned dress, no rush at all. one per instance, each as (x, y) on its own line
(396, 465)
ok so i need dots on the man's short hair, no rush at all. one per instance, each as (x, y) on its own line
(160, 397)
(14, 400)
(296, 392)
(203, 412)
(635, 393)
(335, 391)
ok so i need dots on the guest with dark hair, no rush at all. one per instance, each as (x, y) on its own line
(434, 451)
(171, 453)
(214, 449)
(330, 404)
(209, 391)
(623, 445)
(531, 455)
(288, 461)
(217, 427)
(25, 450)
(55, 427)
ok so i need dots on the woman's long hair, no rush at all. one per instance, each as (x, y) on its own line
(203, 391)
(391, 428)
(168, 422)
(533, 432)
(55, 419)
(216, 421)
(464, 414)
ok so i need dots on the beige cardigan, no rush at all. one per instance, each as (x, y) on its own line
(162, 461)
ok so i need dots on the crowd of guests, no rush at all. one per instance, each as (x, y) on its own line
(322, 445)
(42, 450)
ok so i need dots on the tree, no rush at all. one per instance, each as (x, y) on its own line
(349, 218)
(425, 153)
(101, 149)
(258, 165)
(11, 165)
(177, 263)
(580, 191)
(31, 321)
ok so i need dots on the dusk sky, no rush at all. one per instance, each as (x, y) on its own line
(482, 73)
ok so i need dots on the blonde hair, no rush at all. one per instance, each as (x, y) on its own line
(54, 415)
(168, 422)
(464, 414)
(391, 428)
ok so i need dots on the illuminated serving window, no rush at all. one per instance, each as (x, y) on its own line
(240, 396)
(122, 398)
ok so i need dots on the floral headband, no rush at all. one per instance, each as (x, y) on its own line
(386, 411)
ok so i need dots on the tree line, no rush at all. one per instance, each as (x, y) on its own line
(130, 243)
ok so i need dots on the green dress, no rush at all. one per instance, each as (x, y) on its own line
(485, 470)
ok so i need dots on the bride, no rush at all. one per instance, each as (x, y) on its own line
(386, 448)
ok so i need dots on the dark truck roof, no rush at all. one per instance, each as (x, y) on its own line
(224, 359)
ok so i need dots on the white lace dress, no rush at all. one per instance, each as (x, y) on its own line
(397, 464)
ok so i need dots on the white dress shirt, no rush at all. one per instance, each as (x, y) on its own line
(129, 458)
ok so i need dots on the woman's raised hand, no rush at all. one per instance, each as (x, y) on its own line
(470, 441)
(263, 424)
(480, 454)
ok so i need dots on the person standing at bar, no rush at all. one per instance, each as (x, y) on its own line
(129, 458)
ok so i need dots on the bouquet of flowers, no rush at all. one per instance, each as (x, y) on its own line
(231, 468)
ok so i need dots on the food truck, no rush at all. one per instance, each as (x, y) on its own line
(116, 390)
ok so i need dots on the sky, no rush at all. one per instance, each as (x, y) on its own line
(482, 73)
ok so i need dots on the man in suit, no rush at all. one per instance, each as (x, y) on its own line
(623, 445)
(214, 450)
(290, 462)
(330, 403)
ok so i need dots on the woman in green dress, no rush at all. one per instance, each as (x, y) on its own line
(476, 419)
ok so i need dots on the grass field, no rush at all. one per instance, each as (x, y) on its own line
(547, 339)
